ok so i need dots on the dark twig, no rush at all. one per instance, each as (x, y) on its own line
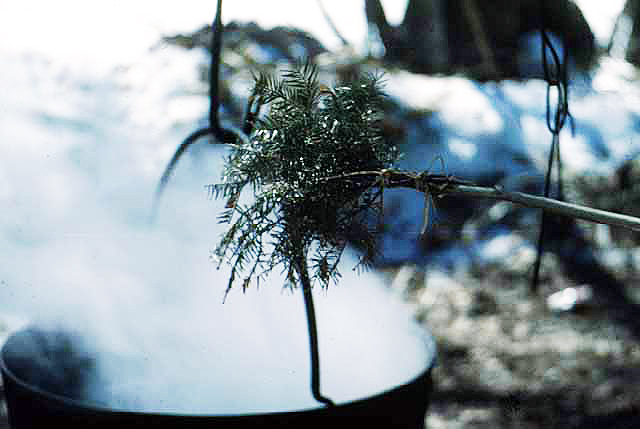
(192, 138)
(214, 129)
(301, 267)
(214, 71)
(327, 17)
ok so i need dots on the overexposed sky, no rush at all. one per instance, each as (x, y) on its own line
(601, 16)
(98, 33)
(101, 32)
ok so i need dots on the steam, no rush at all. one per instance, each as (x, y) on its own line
(82, 149)
(79, 255)
(151, 299)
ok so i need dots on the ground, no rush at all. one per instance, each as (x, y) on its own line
(506, 361)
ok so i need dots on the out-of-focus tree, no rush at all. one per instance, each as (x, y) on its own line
(480, 38)
(420, 40)
(627, 32)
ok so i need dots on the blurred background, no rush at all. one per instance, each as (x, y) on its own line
(96, 96)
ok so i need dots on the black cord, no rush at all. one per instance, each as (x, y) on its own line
(556, 76)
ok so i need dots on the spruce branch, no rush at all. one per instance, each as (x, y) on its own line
(310, 133)
(317, 163)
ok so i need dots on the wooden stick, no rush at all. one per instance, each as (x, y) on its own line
(560, 207)
(439, 185)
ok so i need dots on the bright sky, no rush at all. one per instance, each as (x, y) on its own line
(99, 33)
(601, 16)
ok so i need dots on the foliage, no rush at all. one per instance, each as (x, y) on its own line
(310, 136)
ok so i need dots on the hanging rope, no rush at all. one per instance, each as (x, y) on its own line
(555, 74)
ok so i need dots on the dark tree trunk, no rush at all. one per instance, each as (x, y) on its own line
(478, 37)
(420, 41)
(632, 11)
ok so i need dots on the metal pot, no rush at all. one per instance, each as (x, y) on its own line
(51, 391)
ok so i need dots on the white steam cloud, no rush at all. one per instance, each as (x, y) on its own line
(77, 173)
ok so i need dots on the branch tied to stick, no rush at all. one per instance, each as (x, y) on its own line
(439, 185)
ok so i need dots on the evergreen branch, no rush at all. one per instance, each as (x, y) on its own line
(317, 168)
(299, 143)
